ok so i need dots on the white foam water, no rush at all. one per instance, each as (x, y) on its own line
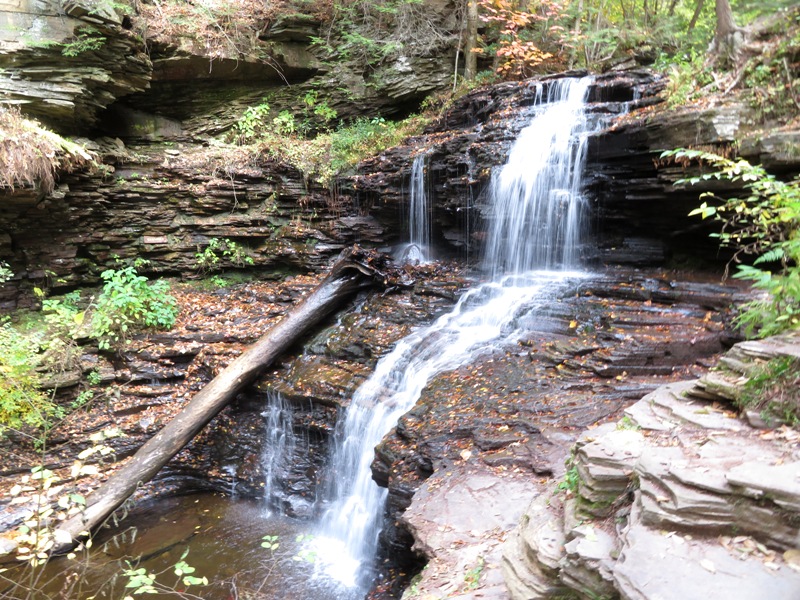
(536, 222)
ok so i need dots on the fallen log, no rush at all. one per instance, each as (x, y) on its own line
(354, 270)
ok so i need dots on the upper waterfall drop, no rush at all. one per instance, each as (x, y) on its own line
(537, 209)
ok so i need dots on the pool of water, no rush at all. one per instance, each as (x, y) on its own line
(222, 540)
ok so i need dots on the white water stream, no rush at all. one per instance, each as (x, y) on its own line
(417, 250)
(536, 220)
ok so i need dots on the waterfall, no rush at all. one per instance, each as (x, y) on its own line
(417, 250)
(279, 444)
(536, 220)
(537, 204)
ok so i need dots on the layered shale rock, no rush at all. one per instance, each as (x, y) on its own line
(65, 62)
(165, 204)
(682, 495)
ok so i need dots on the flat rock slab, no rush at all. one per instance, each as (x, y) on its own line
(460, 518)
(661, 565)
(779, 482)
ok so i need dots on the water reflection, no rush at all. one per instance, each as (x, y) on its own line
(223, 537)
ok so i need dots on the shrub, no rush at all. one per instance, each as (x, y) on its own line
(219, 250)
(22, 402)
(765, 223)
(774, 390)
(129, 301)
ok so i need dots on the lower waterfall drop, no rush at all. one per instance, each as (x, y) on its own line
(279, 443)
(535, 224)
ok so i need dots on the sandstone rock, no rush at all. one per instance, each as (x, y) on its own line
(459, 519)
(658, 565)
(777, 482)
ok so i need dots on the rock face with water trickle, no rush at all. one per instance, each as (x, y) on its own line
(683, 484)
(592, 350)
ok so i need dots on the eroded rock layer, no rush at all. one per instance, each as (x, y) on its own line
(681, 485)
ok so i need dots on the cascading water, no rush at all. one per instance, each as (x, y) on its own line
(419, 225)
(537, 206)
(536, 220)
(280, 442)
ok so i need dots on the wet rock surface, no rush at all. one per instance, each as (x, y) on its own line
(602, 344)
(683, 484)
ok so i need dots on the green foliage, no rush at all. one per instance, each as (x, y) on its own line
(101, 6)
(93, 378)
(129, 301)
(319, 108)
(764, 223)
(5, 272)
(774, 390)
(88, 39)
(473, 576)
(771, 78)
(22, 402)
(142, 581)
(688, 76)
(270, 542)
(219, 251)
(251, 123)
(571, 480)
(284, 123)
(627, 423)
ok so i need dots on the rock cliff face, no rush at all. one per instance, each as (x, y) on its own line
(165, 206)
(640, 216)
(65, 62)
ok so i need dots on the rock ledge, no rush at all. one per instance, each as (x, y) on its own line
(680, 497)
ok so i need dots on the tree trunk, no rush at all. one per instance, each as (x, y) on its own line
(728, 38)
(470, 56)
(725, 23)
(696, 15)
(351, 273)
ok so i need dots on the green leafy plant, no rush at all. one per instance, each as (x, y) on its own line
(87, 39)
(52, 501)
(284, 123)
(688, 75)
(764, 223)
(571, 480)
(219, 251)
(142, 581)
(22, 401)
(129, 301)
(473, 576)
(252, 122)
(5, 272)
(270, 542)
